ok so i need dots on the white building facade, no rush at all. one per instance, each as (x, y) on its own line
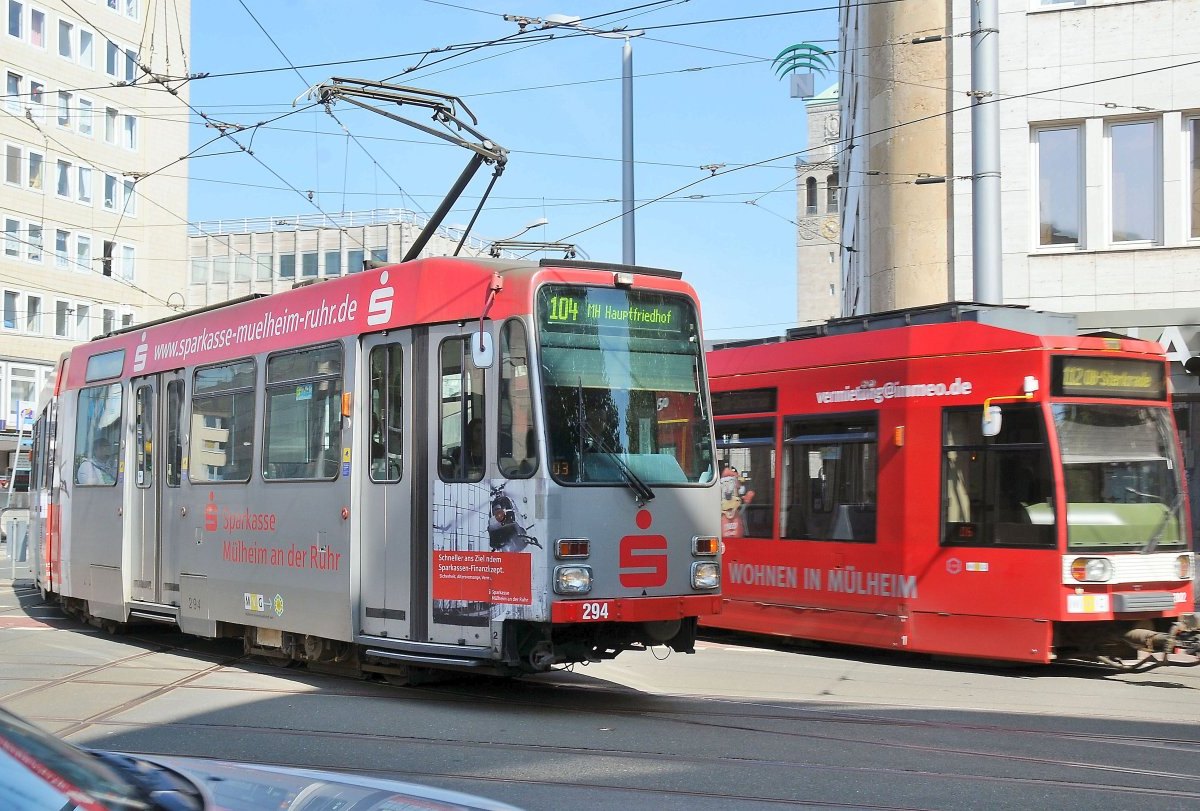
(228, 259)
(94, 234)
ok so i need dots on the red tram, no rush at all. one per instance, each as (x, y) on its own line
(959, 480)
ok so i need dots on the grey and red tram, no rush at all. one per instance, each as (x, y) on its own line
(486, 465)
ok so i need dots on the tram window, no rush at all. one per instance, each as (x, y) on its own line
(303, 433)
(461, 426)
(996, 491)
(173, 446)
(387, 413)
(746, 451)
(98, 435)
(517, 454)
(830, 478)
(143, 437)
(222, 428)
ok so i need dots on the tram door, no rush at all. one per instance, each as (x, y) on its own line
(386, 469)
(459, 496)
(157, 404)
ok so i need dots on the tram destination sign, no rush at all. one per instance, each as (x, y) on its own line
(1109, 377)
(594, 310)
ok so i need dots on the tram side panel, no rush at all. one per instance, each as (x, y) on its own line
(268, 540)
(859, 558)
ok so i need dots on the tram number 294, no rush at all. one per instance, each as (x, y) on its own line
(594, 611)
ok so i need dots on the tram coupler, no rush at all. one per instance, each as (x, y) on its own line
(1183, 637)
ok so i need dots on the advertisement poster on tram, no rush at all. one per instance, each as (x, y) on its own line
(484, 539)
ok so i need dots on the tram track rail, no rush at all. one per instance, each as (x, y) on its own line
(805, 727)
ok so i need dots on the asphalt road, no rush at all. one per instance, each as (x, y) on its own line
(732, 727)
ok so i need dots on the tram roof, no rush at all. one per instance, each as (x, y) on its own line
(435, 290)
(955, 328)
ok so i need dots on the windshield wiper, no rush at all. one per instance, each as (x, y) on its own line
(1157, 535)
(640, 489)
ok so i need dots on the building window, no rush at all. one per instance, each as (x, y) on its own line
(37, 28)
(287, 265)
(66, 40)
(831, 193)
(354, 261)
(13, 89)
(36, 164)
(127, 262)
(83, 253)
(63, 183)
(220, 270)
(62, 318)
(810, 196)
(333, 263)
(379, 254)
(131, 139)
(110, 321)
(64, 108)
(12, 165)
(131, 65)
(10, 309)
(131, 198)
(16, 19)
(87, 56)
(83, 113)
(199, 273)
(106, 258)
(1059, 160)
(1194, 128)
(62, 252)
(308, 263)
(241, 268)
(33, 315)
(262, 264)
(110, 125)
(35, 243)
(112, 58)
(1134, 151)
(37, 97)
(83, 190)
(83, 322)
(12, 237)
(110, 192)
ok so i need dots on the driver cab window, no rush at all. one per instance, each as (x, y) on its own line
(996, 490)
(461, 426)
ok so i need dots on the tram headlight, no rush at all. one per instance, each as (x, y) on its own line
(1091, 570)
(706, 574)
(572, 579)
(1183, 567)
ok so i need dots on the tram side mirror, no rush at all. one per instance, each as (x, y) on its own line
(482, 351)
(991, 421)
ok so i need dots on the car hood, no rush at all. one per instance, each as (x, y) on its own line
(233, 786)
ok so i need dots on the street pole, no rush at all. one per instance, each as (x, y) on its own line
(627, 230)
(985, 153)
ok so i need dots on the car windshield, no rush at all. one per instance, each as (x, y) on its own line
(624, 387)
(38, 770)
(1121, 473)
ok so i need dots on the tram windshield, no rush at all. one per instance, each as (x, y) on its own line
(624, 387)
(1121, 473)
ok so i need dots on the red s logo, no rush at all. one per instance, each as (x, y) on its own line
(643, 557)
(210, 514)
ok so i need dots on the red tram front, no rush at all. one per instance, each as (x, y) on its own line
(962, 480)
